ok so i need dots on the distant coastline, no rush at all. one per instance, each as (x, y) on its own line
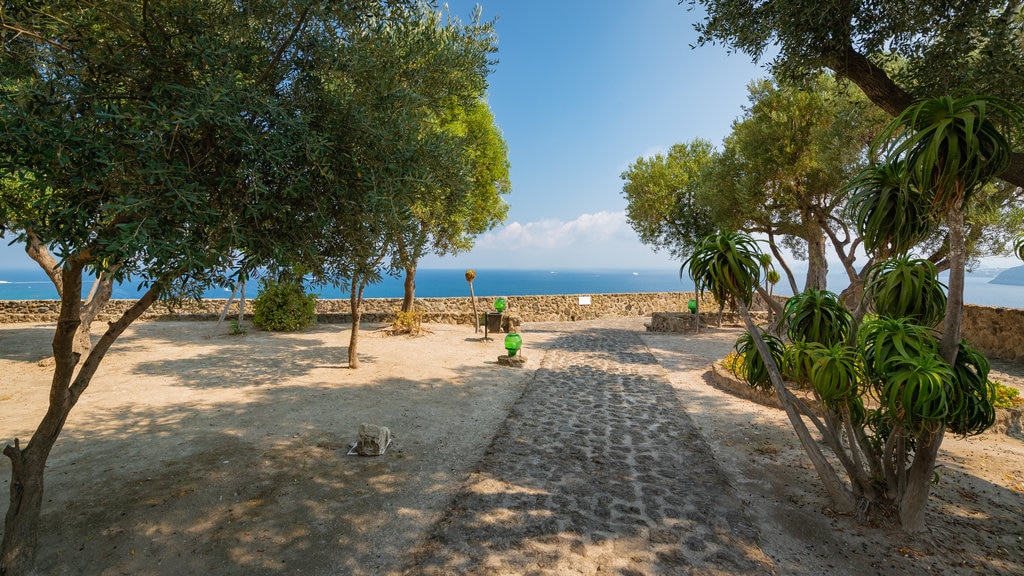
(1011, 277)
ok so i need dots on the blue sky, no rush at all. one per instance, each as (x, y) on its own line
(581, 90)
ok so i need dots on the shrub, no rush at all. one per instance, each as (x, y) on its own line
(283, 306)
(1007, 397)
(733, 362)
(410, 322)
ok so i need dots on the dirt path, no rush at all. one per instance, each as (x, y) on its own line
(193, 454)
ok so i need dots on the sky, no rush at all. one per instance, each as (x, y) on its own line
(581, 90)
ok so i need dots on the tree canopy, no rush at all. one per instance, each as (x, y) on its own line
(184, 143)
(662, 197)
(895, 51)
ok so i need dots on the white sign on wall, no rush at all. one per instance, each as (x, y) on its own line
(584, 300)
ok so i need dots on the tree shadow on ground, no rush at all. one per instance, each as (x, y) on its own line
(261, 483)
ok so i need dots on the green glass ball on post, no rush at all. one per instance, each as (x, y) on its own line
(513, 342)
(499, 305)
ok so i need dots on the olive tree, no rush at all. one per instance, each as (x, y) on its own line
(154, 141)
(467, 200)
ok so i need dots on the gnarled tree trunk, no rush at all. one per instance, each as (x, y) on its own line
(99, 295)
(21, 525)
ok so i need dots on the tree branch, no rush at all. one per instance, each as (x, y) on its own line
(37, 37)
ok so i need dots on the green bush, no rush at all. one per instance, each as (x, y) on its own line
(283, 306)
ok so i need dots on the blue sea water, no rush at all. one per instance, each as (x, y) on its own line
(33, 285)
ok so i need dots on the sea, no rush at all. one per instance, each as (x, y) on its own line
(28, 284)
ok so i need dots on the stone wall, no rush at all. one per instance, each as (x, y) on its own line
(558, 308)
(998, 332)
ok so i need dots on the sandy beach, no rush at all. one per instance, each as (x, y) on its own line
(609, 453)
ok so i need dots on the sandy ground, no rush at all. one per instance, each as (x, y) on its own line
(194, 453)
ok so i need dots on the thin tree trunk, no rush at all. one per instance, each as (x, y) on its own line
(410, 288)
(99, 294)
(476, 315)
(914, 501)
(782, 262)
(842, 497)
(241, 304)
(355, 304)
(950, 344)
(21, 525)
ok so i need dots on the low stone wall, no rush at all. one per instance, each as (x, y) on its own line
(556, 308)
(998, 332)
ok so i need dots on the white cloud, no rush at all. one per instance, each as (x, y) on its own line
(599, 240)
(557, 234)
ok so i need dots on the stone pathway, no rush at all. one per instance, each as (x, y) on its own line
(597, 469)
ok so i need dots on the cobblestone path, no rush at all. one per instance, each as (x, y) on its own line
(597, 470)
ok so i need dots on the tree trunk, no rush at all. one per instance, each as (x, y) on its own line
(919, 478)
(955, 294)
(102, 290)
(782, 262)
(410, 288)
(21, 525)
(99, 295)
(842, 498)
(817, 263)
(355, 304)
(476, 315)
(919, 482)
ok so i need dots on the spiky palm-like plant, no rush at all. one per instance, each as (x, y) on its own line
(890, 216)
(817, 316)
(906, 287)
(728, 265)
(755, 368)
(949, 147)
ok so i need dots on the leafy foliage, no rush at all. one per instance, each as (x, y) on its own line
(1006, 396)
(817, 316)
(283, 305)
(407, 322)
(754, 367)
(733, 362)
(906, 287)
(782, 168)
(663, 202)
(727, 264)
